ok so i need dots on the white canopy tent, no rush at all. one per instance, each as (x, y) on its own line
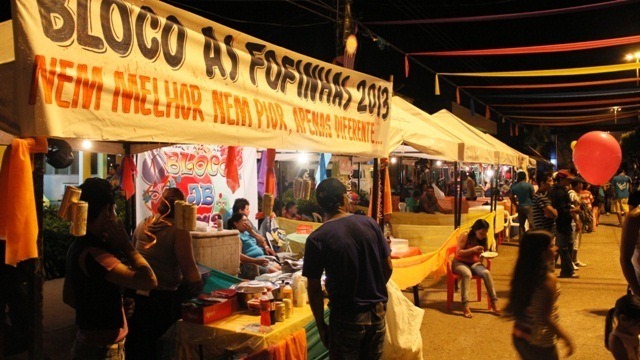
(478, 148)
(411, 135)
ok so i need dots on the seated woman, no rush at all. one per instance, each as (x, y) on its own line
(467, 262)
(252, 253)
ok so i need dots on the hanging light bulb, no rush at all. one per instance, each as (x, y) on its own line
(351, 44)
(394, 160)
(86, 144)
(438, 163)
(303, 158)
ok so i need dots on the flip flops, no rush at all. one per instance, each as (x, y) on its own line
(466, 312)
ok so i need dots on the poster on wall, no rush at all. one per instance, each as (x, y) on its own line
(200, 172)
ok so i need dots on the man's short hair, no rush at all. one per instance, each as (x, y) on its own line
(330, 194)
(239, 204)
(543, 177)
(98, 194)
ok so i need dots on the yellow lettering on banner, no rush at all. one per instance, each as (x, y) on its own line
(58, 74)
(271, 113)
(224, 103)
(354, 129)
(134, 89)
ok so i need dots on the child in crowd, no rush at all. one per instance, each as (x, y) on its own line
(623, 341)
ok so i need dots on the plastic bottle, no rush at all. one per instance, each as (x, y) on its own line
(287, 291)
(265, 309)
(301, 294)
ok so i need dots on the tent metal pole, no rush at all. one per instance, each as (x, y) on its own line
(456, 193)
(375, 190)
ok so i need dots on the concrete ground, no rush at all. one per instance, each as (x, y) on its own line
(448, 335)
(583, 304)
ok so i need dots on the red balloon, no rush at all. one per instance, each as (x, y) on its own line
(597, 156)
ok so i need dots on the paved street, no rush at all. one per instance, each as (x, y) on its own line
(583, 305)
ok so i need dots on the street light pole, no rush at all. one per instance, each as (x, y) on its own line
(635, 56)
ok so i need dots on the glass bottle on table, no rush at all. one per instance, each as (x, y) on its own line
(265, 309)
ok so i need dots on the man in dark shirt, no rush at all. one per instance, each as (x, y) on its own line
(353, 253)
(560, 201)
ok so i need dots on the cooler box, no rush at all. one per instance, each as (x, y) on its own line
(218, 249)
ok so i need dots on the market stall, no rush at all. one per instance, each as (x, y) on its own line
(205, 84)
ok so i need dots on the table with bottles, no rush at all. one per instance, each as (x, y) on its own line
(234, 335)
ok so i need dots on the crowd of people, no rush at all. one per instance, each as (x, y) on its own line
(158, 270)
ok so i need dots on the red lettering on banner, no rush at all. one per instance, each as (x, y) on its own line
(354, 129)
(271, 113)
(60, 73)
(223, 105)
(317, 123)
(184, 99)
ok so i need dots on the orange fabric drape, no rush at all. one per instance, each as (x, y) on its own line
(129, 172)
(18, 219)
(270, 180)
(293, 347)
(231, 169)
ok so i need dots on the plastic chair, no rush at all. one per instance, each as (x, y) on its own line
(452, 277)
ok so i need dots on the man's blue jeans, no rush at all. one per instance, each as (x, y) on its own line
(357, 335)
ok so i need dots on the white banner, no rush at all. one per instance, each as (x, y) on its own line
(146, 71)
(199, 171)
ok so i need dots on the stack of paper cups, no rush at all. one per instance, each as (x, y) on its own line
(306, 189)
(189, 214)
(71, 195)
(79, 212)
(178, 210)
(297, 188)
(267, 204)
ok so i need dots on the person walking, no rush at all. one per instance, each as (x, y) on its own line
(630, 250)
(621, 185)
(560, 201)
(533, 300)
(355, 256)
(522, 196)
(95, 277)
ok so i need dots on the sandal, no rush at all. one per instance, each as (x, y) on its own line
(495, 310)
(466, 312)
